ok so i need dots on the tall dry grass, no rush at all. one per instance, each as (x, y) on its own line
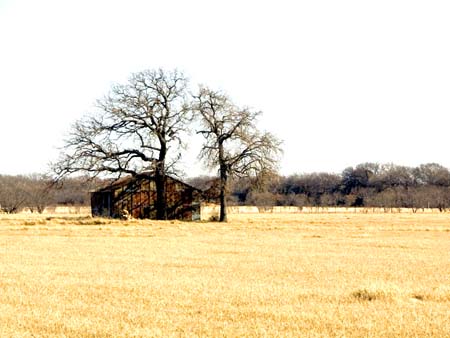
(313, 275)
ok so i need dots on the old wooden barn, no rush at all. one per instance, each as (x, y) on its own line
(136, 196)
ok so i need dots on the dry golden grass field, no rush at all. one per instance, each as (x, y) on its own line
(298, 275)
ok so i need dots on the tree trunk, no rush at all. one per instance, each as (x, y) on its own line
(223, 185)
(223, 197)
(160, 203)
(160, 183)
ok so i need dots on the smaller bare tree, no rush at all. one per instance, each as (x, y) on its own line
(232, 143)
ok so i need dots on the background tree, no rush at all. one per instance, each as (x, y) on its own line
(354, 179)
(392, 175)
(138, 127)
(72, 191)
(13, 193)
(39, 192)
(432, 174)
(231, 140)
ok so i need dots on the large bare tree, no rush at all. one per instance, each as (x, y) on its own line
(137, 127)
(232, 143)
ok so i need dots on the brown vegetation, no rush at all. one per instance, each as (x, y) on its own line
(308, 275)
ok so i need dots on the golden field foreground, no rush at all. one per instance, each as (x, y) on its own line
(304, 275)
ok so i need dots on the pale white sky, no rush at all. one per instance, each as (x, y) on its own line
(341, 82)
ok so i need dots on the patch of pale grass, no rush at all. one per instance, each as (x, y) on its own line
(314, 275)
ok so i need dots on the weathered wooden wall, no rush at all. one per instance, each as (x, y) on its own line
(137, 199)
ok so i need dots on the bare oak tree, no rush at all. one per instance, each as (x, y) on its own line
(232, 143)
(138, 127)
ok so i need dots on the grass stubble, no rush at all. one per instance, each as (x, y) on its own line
(308, 275)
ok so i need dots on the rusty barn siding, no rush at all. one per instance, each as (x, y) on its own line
(138, 195)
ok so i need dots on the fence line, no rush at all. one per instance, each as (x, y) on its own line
(212, 210)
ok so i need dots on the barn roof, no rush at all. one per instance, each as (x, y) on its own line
(123, 181)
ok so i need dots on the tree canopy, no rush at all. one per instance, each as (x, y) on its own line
(138, 126)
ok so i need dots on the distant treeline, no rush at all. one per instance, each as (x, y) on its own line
(366, 185)
(37, 192)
